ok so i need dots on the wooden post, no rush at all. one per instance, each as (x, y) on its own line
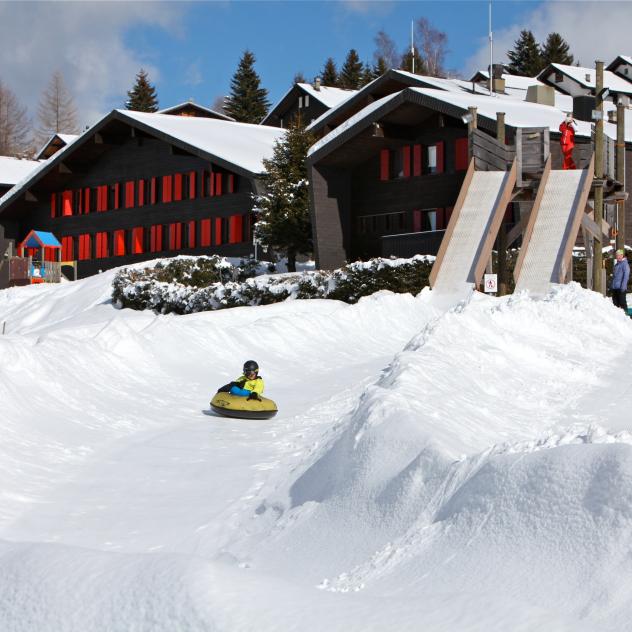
(620, 162)
(502, 233)
(471, 126)
(598, 245)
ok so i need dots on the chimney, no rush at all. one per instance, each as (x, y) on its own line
(498, 83)
(317, 84)
(544, 95)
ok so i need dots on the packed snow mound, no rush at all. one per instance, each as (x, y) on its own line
(475, 445)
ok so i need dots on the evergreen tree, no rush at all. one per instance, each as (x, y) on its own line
(407, 63)
(283, 211)
(57, 113)
(142, 97)
(526, 58)
(14, 126)
(380, 67)
(329, 76)
(556, 51)
(247, 101)
(351, 72)
(367, 75)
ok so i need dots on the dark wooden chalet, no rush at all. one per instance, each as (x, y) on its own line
(577, 81)
(138, 186)
(621, 66)
(384, 183)
(309, 100)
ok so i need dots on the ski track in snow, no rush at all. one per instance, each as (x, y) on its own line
(419, 457)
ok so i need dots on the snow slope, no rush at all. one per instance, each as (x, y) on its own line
(467, 469)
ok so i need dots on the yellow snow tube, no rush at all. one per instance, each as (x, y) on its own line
(242, 407)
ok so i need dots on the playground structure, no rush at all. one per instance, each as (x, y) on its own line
(554, 205)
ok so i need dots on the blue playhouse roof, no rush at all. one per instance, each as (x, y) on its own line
(39, 238)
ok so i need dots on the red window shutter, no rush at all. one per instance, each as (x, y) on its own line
(117, 195)
(211, 184)
(205, 232)
(191, 240)
(102, 198)
(152, 195)
(218, 231)
(235, 229)
(102, 245)
(231, 183)
(175, 236)
(129, 194)
(84, 247)
(67, 251)
(66, 203)
(167, 186)
(440, 156)
(384, 164)
(218, 184)
(461, 150)
(119, 243)
(416, 160)
(80, 201)
(416, 221)
(156, 238)
(141, 193)
(137, 240)
(86, 200)
(53, 205)
(192, 189)
(177, 187)
(406, 160)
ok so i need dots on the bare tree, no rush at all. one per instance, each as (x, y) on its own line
(433, 47)
(218, 104)
(386, 50)
(57, 112)
(14, 126)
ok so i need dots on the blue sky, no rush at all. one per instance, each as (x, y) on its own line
(191, 49)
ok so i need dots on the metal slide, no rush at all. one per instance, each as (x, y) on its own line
(547, 245)
(474, 224)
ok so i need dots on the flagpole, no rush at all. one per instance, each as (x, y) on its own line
(491, 52)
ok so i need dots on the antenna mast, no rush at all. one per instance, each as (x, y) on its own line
(412, 47)
(491, 52)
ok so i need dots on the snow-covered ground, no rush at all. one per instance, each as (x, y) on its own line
(468, 469)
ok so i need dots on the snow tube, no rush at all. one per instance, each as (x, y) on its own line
(242, 407)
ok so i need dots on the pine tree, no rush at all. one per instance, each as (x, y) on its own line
(283, 211)
(407, 63)
(380, 68)
(367, 75)
(329, 76)
(556, 51)
(142, 97)
(525, 58)
(247, 101)
(14, 125)
(351, 72)
(57, 113)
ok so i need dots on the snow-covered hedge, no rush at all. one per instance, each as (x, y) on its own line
(186, 285)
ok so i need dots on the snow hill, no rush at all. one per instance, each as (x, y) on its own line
(430, 469)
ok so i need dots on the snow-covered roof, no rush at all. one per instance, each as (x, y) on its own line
(241, 144)
(330, 97)
(197, 106)
(65, 139)
(518, 114)
(516, 82)
(12, 170)
(586, 77)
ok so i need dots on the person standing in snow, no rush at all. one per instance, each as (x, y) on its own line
(567, 141)
(249, 384)
(620, 277)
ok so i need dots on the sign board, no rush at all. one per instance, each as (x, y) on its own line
(491, 283)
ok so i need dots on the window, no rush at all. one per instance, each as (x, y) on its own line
(191, 234)
(53, 205)
(167, 188)
(129, 195)
(300, 103)
(461, 160)
(306, 101)
(67, 250)
(155, 238)
(192, 182)
(119, 243)
(236, 229)
(102, 245)
(87, 200)
(231, 183)
(112, 193)
(137, 240)
(205, 232)
(175, 236)
(426, 219)
(397, 164)
(177, 187)
(417, 160)
(142, 192)
(66, 203)
(218, 184)
(85, 244)
(432, 158)
(559, 78)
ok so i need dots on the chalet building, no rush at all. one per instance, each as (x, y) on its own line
(188, 108)
(577, 81)
(138, 186)
(384, 183)
(621, 66)
(308, 100)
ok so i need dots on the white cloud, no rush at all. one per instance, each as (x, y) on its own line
(83, 40)
(594, 30)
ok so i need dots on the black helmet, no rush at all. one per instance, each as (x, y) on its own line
(249, 366)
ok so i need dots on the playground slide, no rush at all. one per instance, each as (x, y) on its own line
(547, 245)
(473, 226)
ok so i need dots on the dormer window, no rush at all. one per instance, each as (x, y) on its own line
(559, 77)
(306, 101)
(587, 76)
